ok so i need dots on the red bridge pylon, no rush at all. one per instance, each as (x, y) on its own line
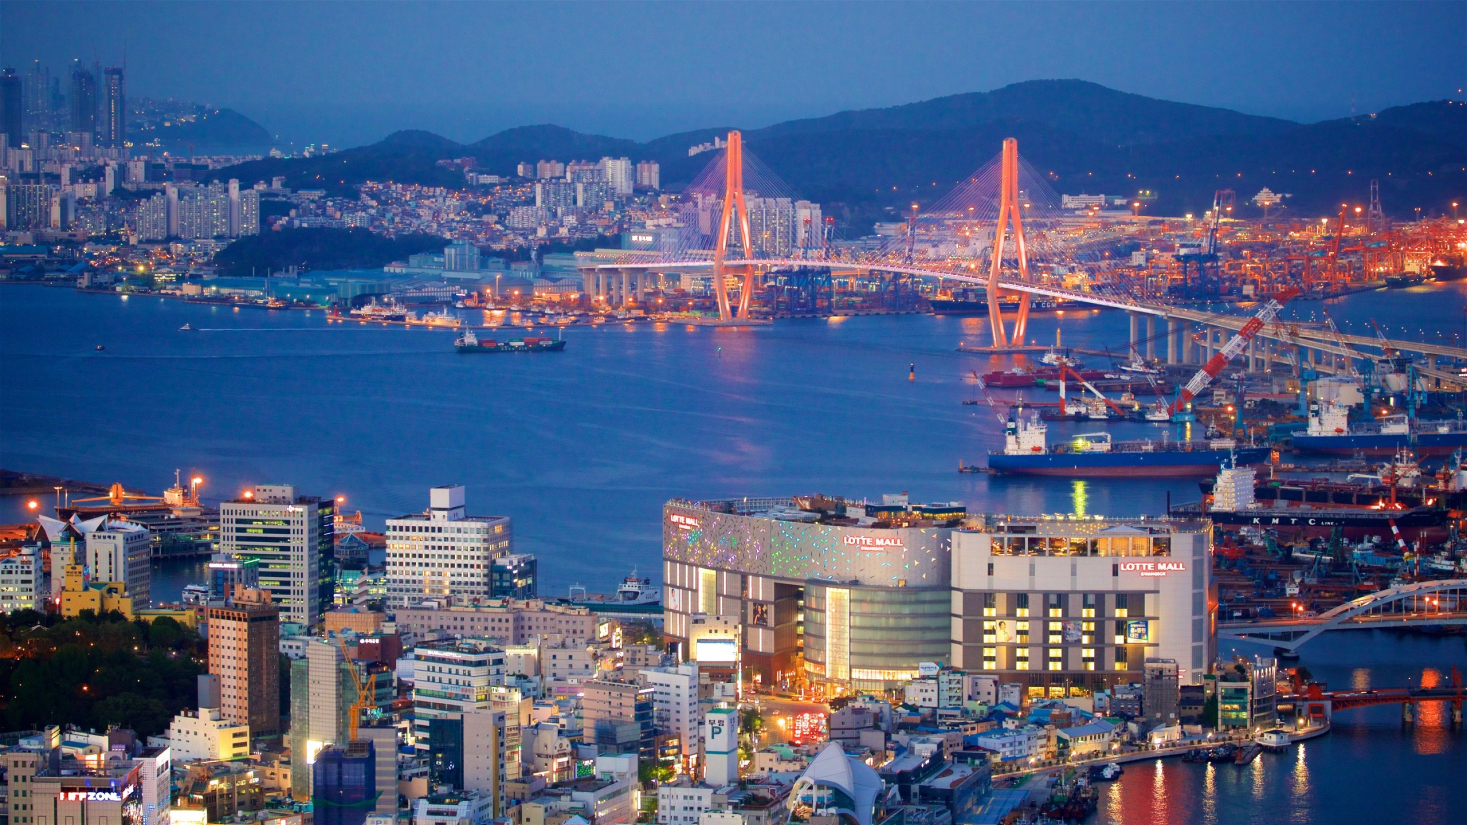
(1009, 210)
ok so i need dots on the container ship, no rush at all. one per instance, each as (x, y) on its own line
(1095, 455)
(967, 302)
(470, 343)
(1329, 431)
(1234, 503)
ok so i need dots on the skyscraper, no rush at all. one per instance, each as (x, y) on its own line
(244, 645)
(83, 101)
(114, 126)
(345, 780)
(12, 107)
(291, 536)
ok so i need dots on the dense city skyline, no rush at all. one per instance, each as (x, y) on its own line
(640, 71)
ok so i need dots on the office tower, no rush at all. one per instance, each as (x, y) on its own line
(291, 537)
(37, 97)
(468, 753)
(244, 652)
(114, 103)
(22, 580)
(618, 175)
(513, 577)
(321, 697)
(83, 101)
(384, 745)
(12, 108)
(121, 551)
(649, 174)
(456, 678)
(619, 717)
(721, 741)
(345, 784)
(227, 575)
(443, 554)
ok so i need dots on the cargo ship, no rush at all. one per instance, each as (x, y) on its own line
(1095, 455)
(1329, 431)
(373, 311)
(967, 302)
(470, 343)
(1233, 503)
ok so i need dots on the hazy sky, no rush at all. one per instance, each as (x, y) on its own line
(351, 72)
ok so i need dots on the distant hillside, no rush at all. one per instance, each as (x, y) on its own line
(318, 249)
(1088, 138)
(213, 129)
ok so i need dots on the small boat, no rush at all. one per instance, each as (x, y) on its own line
(1274, 740)
(100, 348)
(186, 328)
(1109, 772)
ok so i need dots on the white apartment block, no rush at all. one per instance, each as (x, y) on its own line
(120, 551)
(289, 534)
(22, 581)
(443, 555)
(619, 175)
(675, 704)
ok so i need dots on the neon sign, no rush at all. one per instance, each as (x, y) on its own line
(873, 542)
(90, 796)
(1153, 568)
(683, 522)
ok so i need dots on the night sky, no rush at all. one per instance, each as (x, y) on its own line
(351, 72)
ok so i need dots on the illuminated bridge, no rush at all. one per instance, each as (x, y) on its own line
(1423, 604)
(1001, 232)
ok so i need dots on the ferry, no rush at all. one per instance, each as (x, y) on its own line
(442, 318)
(1329, 431)
(194, 594)
(636, 594)
(1093, 455)
(372, 311)
(470, 343)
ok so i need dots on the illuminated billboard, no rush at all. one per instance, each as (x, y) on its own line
(1138, 632)
(713, 650)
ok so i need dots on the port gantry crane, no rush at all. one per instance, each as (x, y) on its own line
(1215, 364)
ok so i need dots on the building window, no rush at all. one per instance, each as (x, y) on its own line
(1023, 605)
(1022, 629)
(990, 604)
(990, 658)
(990, 633)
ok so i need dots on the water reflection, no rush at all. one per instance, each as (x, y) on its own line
(1079, 497)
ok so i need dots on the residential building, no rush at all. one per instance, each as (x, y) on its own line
(649, 174)
(684, 802)
(619, 176)
(453, 808)
(122, 551)
(618, 716)
(1161, 694)
(291, 537)
(512, 576)
(12, 108)
(244, 644)
(468, 752)
(675, 705)
(113, 131)
(205, 734)
(442, 554)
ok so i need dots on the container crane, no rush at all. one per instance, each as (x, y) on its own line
(1214, 365)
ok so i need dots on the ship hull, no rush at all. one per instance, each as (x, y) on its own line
(1376, 444)
(1165, 463)
(553, 346)
(1415, 525)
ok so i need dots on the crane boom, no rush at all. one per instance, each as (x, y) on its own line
(1234, 346)
(1065, 369)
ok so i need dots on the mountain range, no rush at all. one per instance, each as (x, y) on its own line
(1085, 137)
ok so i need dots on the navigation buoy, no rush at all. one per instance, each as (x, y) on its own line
(912, 372)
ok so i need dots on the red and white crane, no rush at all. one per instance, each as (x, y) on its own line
(1233, 347)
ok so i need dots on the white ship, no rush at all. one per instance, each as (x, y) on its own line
(635, 594)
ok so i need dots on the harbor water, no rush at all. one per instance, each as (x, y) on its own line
(583, 447)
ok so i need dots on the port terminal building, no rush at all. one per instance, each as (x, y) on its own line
(851, 595)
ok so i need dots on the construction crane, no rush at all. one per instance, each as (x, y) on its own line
(1065, 370)
(366, 700)
(1214, 365)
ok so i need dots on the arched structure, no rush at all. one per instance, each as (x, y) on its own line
(1413, 605)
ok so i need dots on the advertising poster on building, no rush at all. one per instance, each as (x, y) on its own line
(1138, 632)
(1005, 632)
(1072, 632)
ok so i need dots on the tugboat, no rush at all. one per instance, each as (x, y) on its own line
(470, 343)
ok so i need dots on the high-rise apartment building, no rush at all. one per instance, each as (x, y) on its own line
(675, 704)
(121, 551)
(83, 101)
(619, 717)
(649, 174)
(292, 538)
(114, 110)
(619, 175)
(28, 206)
(443, 554)
(244, 646)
